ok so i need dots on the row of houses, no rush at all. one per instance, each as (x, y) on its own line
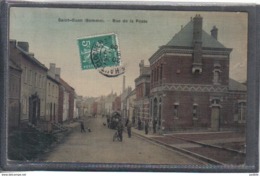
(102, 106)
(186, 85)
(38, 96)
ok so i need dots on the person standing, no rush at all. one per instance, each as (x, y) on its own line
(129, 126)
(120, 129)
(154, 125)
(82, 127)
(146, 127)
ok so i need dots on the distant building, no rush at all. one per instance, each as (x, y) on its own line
(116, 106)
(33, 83)
(14, 94)
(142, 90)
(101, 106)
(94, 108)
(131, 107)
(190, 84)
(109, 103)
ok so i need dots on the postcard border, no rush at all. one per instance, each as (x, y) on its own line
(252, 135)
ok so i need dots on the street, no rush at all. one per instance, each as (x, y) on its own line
(97, 146)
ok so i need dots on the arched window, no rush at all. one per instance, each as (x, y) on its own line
(195, 111)
(176, 110)
(216, 73)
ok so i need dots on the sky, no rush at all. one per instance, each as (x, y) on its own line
(52, 41)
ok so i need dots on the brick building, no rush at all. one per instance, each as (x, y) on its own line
(190, 84)
(94, 108)
(130, 106)
(142, 91)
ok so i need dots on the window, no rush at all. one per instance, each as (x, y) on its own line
(39, 81)
(53, 90)
(30, 77)
(35, 79)
(24, 105)
(241, 111)
(151, 78)
(155, 73)
(161, 73)
(176, 110)
(40, 78)
(216, 74)
(25, 75)
(215, 101)
(158, 72)
(195, 112)
(49, 89)
(43, 82)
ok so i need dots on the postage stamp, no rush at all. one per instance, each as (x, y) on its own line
(99, 51)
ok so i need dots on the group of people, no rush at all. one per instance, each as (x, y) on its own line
(128, 125)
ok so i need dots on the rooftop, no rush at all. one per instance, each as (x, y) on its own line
(185, 38)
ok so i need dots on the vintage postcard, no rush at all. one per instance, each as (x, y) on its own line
(144, 87)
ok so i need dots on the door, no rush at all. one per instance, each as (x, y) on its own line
(215, 112)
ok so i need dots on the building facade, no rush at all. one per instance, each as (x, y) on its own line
(142, 91)
(109, 103)
(33, 83)
(14, 95)
(190, 84)
(130, 106)
(66, 101)
(52, 96)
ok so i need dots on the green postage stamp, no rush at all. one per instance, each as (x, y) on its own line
(99, 51)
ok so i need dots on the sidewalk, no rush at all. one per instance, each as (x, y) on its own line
(142, 133)
(195, 144)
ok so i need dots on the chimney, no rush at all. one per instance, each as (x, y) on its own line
(197, 28)
(24, 46)
(57, 72)
(141, 66)
(13, 43)
(197, 44)
(52, 68)
(214, 32)
(123, 84)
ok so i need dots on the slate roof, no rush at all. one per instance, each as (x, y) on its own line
(185, 36)
(64, 83)
(236, 86)
(31, 58)
(13, 65)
